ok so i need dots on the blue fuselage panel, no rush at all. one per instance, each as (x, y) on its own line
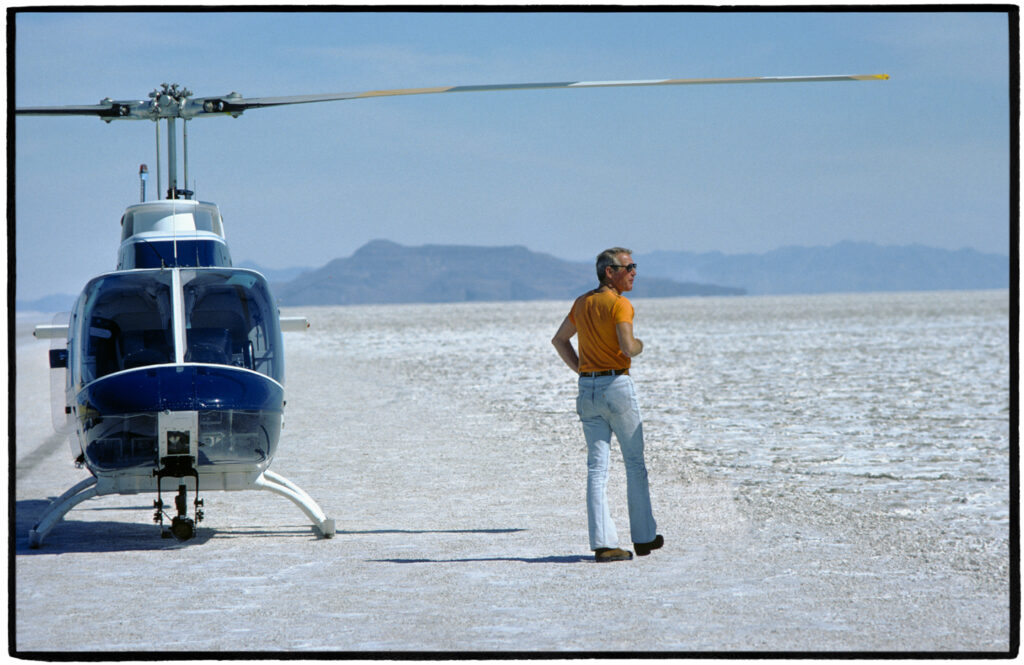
(181, 388)
(239, 411)
(138, 254)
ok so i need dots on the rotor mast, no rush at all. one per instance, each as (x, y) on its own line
(168, 103)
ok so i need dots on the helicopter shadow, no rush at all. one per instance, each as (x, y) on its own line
(93, 536)
(71, 536)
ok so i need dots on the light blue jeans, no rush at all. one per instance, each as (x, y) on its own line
(608, 404)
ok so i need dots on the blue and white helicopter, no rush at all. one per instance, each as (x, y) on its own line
(171, 367)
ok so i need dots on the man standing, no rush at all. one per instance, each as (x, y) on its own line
(607, 402)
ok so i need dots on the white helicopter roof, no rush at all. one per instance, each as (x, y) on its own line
(171, 216)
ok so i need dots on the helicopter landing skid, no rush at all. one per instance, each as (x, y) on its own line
(278, 484)
(180, 525)
(59, 508)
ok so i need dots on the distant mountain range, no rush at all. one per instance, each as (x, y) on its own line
(274, 275)
(844, 267)
(386, 272)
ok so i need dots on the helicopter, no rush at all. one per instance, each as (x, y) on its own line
(171, 366)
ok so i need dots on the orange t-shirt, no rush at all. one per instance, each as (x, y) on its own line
(595, 316)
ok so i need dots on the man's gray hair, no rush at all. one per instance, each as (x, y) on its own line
(609, 257)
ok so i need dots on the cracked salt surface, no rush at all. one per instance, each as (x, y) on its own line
(830, 473)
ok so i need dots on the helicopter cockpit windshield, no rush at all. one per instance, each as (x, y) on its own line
(230, 319)
(128, 322)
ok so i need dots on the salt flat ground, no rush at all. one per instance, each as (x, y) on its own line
(459, 502)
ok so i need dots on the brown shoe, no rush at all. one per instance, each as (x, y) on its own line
(603, 554)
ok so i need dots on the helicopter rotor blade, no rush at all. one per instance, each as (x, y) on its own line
(241, 104)
(234, 104)
(107, 109)
(96, 109)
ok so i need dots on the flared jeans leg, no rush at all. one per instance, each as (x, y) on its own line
(599, 520)
(608, 405)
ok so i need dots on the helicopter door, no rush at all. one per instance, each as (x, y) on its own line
(60, 412)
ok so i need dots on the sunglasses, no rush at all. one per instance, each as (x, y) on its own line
(631, 266)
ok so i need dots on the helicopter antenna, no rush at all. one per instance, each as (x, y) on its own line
(159, 169)
(184, 149)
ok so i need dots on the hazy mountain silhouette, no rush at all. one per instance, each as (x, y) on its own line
(386, 272)
(844, 267)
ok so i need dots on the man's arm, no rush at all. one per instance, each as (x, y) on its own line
(630, 345)
(562, 342)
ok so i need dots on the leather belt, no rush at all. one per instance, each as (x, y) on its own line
(607, 372)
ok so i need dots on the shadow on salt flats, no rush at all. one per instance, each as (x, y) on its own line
(575, 558)
(382, 531)
(93, 536)
(79, 536)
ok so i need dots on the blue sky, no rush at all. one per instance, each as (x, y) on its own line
(921, 158)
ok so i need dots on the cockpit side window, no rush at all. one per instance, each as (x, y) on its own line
(207, 218)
